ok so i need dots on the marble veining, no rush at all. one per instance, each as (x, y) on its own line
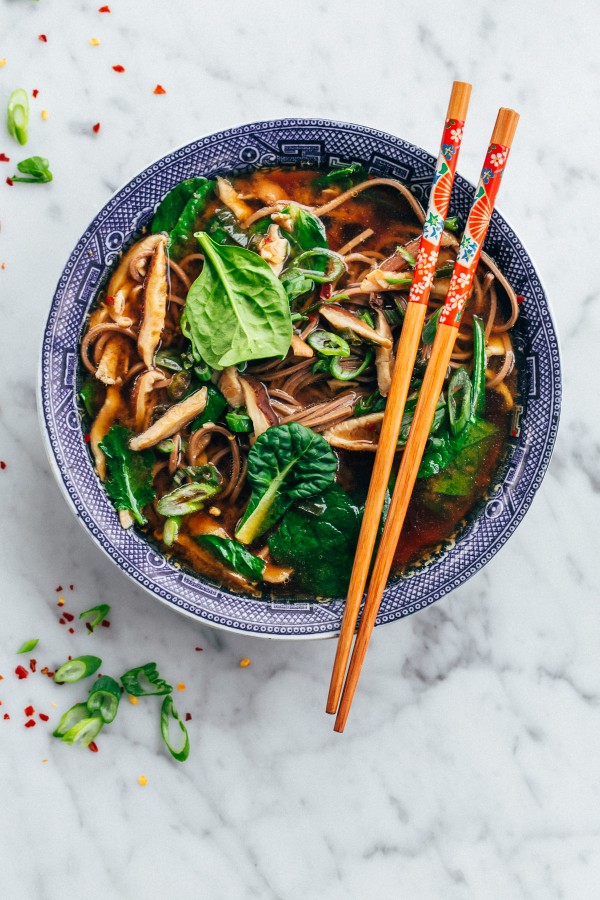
(470, 766)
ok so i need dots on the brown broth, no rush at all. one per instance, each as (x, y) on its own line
(431, 521)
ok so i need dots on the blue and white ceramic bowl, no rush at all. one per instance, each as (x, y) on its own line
(321, 143)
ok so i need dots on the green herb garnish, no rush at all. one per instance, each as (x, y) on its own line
(17, 117)
(168, 713)
(234, 555)
(78, 668)
(37, 170)
(129, 485)
(28, 646)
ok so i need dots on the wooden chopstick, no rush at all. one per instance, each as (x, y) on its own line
(458, 293)
(412, 328)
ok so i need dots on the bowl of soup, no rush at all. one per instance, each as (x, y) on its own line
(216, 364)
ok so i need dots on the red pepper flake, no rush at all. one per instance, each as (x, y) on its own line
(513, 433)
(104, 9)
(199, 649)
(9, 182)
(326, 291)
(105, 623)
(86, 439)
(58, 589)
(30, 723)
(1, 677)
(520, 299)
(71, 587)
(6, 716)
(4, 157)
(69, 657)
(159, 89)
(71, 631)
(119, 68)
(43, 38)
(68, 616)
(32, 664)
(61, 621)
(96, 128)
(45, 670)
(29, 711)
(188, 717)
(93, 746)
(44, 717)
(34, 93)
(109, 301)
(2, 464)
(21, 672)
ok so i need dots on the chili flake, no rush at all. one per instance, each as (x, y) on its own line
(159, 89)
(119, 68)
(105, 623)
(104, 9)
(34, 93)
(133, 700)
(44, 115)
(181, 686)
(520, 299)
(71, 631)
(71, 587)
(2, 62)
(21, 672)
(4, 157)
(29, 711)
(188, 717)
(68, 616)
(199, 649)
(58, 589)
(96, 128)
(32, 664)
(44, 717)
(61, 601)
(94, 42)
(93, 746)
(43, 38)
(61, 621)
(44, 760)
(9, 182)
(6, 716)
(244, 663)
(143, 780)
(3, 266)
(30, 723)
(86, 439)
(2, 463)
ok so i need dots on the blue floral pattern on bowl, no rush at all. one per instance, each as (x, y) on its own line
(311, 142)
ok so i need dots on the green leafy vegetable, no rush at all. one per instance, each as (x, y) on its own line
(234, 555)
(371, 404)
(239, 422)
(236, 310)
(28, 646)
(99, 613)
(36, 168)
(308, 232)
(452, 224)
(129, 485)
(104, 697)
(430, 327)
(168, 713)
(76, 669)
(188, 498)
(353, 172)
(319, 542)
(459, 400)
(470, 450)
(92, 396)
(286, 463)
(444, 449)
(17, 116)
(178, 211)
(296, 284)
(144, 681)
(214, 409)
(224, 228)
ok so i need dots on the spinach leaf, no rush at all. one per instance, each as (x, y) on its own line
(236, 310)
(129, 485)
(296, 284)
(430, 327)
(224, 228)
(92, 396)
(287, 463)
(444, 449)
(351, 173)
(318, 540)
(307, 232)
(178, 211)
(37, 168)
(212, 412)
(234, 555)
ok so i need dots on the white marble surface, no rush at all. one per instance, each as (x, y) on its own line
(471, 765)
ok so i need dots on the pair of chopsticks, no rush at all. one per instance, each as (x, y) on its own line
(342, 692)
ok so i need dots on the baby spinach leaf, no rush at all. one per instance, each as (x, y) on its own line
(308, 231)
(287, 463)
(351, 173)
(234, 555)
(237, 309)
(318, 540)
(443, 449)
(129, 484)
(212, 412)
(178, 211)
(225, 228)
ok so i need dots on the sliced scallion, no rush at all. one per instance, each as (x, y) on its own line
(410, 258)
(71, 718)
(104, 697)
(168, 713)
(99, 613)
(28, 646)
(84, 732)
(171, 530)
(17, 117)
(328, 344)
(347, 374)
(78, 668)
(144, 681)
(336, 268)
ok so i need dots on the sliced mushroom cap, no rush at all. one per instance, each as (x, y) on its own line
(356, 434)
(121, 276)
(300, 347)
(145, 397)
(274, 249)
(231, 387)
(384, 356)
(116, 310)
(258, 405)
(114, 362)
(340, 318)
(103, 422)
(228, 194)
(155, 304)
(204, 561)
(176, 417)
